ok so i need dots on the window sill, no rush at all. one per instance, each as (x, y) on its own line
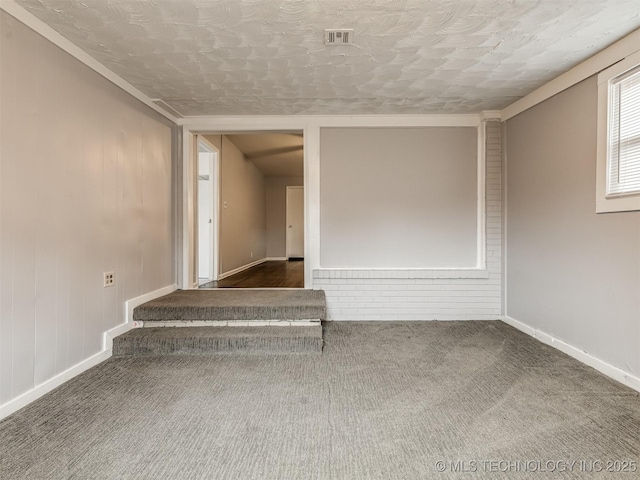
(629, 203)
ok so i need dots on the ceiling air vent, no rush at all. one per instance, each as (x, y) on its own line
(335, 36)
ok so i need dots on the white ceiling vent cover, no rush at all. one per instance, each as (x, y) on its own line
(338, 36)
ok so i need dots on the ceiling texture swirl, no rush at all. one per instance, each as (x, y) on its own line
(267, 57)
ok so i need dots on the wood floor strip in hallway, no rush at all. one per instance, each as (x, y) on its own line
(272, 274)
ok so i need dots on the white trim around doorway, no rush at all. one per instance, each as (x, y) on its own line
(215, 209)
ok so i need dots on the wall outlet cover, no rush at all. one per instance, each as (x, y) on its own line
(109, 279)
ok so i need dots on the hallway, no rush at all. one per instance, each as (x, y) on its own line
(273, 274)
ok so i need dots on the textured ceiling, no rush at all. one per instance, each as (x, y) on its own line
(275, 154)
(252, 57)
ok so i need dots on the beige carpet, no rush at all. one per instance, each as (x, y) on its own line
(384, 401)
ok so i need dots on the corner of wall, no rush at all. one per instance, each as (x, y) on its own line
(603, 367)
(107, 346)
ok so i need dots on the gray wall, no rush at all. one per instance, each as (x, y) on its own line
(243, 221)
(571, 273)
(277, 213)
(85, 187)
(398, 198)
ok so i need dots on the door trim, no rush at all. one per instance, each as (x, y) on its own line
(187, 268)
(215, 208)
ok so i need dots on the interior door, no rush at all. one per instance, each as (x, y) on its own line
(205, 216)
(295, 222)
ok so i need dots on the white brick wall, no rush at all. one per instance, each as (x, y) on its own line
(376, 294)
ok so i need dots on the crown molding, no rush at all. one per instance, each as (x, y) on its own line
(38, 26)
(605, 58)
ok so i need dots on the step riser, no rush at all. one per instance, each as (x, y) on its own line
(214, 340)
(218, 346)
(240, 313)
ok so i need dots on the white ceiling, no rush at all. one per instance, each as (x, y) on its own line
(275, 154)
(253, 57)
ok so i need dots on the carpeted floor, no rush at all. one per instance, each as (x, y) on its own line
(234, 304)
(207, 340)
(384, 400)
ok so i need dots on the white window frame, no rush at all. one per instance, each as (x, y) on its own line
(611, 203)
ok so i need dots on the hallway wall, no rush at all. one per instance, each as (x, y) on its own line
(243, 220)
(86, 185)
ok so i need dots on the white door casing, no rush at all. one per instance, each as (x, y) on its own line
(207, 179)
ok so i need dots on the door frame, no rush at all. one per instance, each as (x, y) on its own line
(190, 130)
(289, 187)
(214, 228)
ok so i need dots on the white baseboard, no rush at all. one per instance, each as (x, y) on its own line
(45, 387)
(107, 345)
(241, 269)
(609, 370)
(129, 305)
(275, 259)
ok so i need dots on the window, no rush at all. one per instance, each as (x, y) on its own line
(618, 179)
(623, 166)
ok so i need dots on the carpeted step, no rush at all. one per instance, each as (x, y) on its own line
(234, 305)
(215, 340)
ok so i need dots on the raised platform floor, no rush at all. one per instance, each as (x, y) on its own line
(222, 321)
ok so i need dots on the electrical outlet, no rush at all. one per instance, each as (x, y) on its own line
(251, 254)
(109, 279)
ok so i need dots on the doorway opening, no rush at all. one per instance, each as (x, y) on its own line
(208, 174)
(260, 222)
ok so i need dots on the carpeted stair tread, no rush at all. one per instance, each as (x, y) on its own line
(234, 304)
(212, 340)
